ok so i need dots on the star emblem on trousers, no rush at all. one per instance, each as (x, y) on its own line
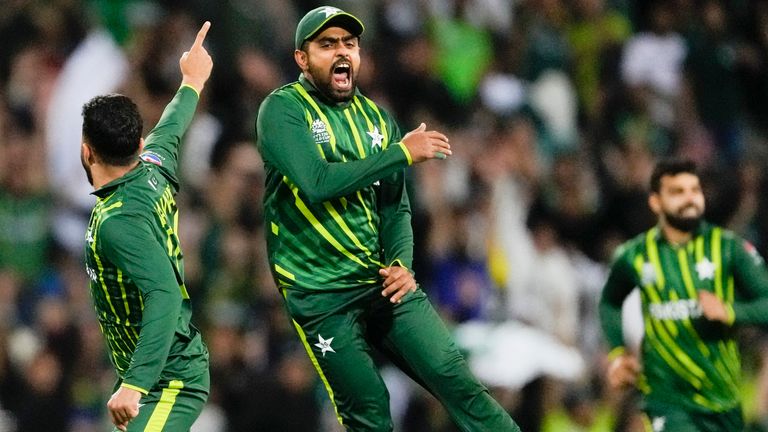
(324, 344)
(376, 137)
(705, 269)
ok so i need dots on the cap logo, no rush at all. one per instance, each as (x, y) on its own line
(330, 11)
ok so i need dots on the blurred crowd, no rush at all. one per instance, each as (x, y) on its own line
(556, 111)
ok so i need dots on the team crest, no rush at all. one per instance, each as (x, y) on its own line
(376, 137)
(320, 132)
(705, 269)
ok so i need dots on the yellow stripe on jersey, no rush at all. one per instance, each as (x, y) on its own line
(285, 272)
(316, 364)
(689, 326)
(124, 295)
(355, 133)
(367, 211)
(668, 357)
(319, 226)
(344, 227)
(164, 406)
(103, 283)
(699, 248)
(685, 272)
(359, 108)
(653, 256)
(660, 336)
(320, 113)
(717, 257)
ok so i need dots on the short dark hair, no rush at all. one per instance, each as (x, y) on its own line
(112, 126)
(671, 167)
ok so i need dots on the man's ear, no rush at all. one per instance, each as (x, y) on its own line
(654, 203)
(301, 59)
(88, 155)
(141, 145)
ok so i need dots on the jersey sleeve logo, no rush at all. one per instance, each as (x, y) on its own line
(752, 251)
(152, 157)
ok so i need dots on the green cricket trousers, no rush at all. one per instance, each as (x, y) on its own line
(171, 406)
(338, 329)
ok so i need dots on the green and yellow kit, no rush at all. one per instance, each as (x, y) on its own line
(135, 264)
(688, 362)
(337, 211)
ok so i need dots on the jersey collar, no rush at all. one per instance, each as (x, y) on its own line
(111, 186)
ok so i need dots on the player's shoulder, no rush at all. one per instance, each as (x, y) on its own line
(285, 92)
(147, 188)
(282, 98)
(632, 246)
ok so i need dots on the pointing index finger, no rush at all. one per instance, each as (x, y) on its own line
(201, 34)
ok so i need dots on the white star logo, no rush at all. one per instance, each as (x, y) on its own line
(324, 344)
(328, 11)
(376, 137)
(658, 424)
(705, 269)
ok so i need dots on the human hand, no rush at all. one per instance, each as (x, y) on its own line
(623, 371)
(123, 406)
(398, 282)
(196, 64)
(424, 145)
(712, 307)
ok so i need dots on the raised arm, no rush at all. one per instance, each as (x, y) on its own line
(162, 144)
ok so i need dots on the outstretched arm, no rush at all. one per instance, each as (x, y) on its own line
(162, 144)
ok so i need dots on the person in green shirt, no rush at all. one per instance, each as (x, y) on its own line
(134, 260)
(339, 235)
(697, 282)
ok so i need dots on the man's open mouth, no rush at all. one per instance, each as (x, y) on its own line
(342, 76)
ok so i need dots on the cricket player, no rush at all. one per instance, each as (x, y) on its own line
(134, 259)
(340, 240)
(697, 283)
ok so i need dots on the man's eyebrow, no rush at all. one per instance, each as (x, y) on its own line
(336, 39)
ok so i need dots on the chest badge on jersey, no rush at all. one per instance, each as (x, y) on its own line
(705, 269)
(376, 137)
(320, 132)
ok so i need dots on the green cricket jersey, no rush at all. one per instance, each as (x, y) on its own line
(687, 360)
(335, 204)
(134, 262)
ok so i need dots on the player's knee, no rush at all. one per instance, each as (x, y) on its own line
(368, 417)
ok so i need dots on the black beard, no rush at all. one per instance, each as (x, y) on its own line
(684, 224)
(326, 88)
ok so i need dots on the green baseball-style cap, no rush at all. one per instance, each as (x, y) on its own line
(323, 17)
